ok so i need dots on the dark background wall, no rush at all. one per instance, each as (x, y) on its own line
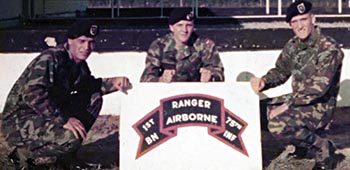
(131, 35)
(24, 29)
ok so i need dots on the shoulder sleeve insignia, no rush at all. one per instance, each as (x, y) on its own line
(327, 44)
(209, 43)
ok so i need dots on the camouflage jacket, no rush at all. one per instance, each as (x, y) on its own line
(315, 66)
(200, 53)
(48, 82)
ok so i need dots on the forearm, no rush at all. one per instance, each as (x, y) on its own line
(274, 78)
(108, 86)
(152, 71)
(150, 76)
(213, 63)
(280, 73)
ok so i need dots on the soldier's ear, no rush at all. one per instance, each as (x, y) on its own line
(69, 41)
(313, 19)
(171, 27)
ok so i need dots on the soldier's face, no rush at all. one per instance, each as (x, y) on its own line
(81, 47)
(303, 25)
(182, 31)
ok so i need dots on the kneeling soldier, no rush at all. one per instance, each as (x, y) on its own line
(56, 100)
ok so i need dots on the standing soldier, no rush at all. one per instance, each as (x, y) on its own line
(314, 61)
(182, 55)
(55, 101)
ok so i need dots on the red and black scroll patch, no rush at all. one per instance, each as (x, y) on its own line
(178, 111)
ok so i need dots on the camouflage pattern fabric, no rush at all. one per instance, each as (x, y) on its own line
(199, 53)
(38, 135)
(50, 90)
(315, 67)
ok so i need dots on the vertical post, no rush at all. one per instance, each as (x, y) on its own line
(339, 6)
(112, 8)
(279, 7)
(44, 8)
(25, 7)
(195, 8)
(32, 9)
(267, 7)
(118, 8)
(161, 8)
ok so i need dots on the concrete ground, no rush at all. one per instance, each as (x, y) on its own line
(101, 149)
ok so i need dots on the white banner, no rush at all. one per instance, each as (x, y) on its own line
(239, 66)
(190, 126)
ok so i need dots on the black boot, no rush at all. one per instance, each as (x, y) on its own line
(325, 157)
(71, 161)
(9, 162)
(302, 153)
(20, 161)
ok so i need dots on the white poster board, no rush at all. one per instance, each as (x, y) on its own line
(190, 126)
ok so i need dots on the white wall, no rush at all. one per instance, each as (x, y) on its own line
(131, 64)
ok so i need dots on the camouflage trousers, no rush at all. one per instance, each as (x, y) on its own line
(298, 125)
(39, 136)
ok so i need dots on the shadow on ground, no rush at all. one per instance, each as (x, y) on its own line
(100, 150)
(104, 152)
(102, 144)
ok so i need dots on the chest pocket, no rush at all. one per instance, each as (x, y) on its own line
(190, 63)
(168, 60)
(305, 64)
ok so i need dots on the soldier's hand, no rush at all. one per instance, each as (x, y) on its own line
(74, 125)
(122, 84)
(167, 76)
(257, 84)
(205, 75)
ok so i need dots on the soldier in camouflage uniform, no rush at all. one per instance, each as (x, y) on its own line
(314, 61)
(182, 55)
(56, 100)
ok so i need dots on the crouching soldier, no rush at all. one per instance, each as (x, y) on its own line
(55, 101)
(314, 61)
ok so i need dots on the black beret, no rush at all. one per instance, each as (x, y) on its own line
(298, 8)
(83, 27)
(178, 14)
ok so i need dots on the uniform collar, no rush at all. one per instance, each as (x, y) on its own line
(71, 57)
(187, 50)
(312, 40)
